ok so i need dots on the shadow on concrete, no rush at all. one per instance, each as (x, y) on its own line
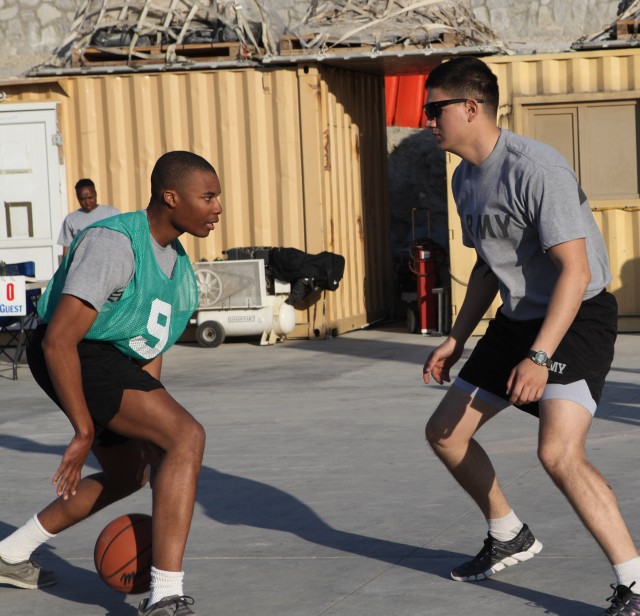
(240, 501)
(235, 500)
(230, 499)
(620, 401)
(549, 604)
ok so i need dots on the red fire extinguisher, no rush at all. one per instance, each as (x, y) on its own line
(423, 265)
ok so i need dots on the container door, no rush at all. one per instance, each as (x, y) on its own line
(31, 190)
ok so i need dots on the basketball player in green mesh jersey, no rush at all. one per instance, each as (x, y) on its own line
(122, 296)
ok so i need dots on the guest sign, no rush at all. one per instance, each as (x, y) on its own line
(13, 298)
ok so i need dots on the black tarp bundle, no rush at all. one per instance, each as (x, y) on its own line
(305, 272)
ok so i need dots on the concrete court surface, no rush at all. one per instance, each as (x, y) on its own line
(318, 495)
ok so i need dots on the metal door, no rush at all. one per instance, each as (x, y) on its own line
(31, 186)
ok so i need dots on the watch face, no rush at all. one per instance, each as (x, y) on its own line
(541, 358)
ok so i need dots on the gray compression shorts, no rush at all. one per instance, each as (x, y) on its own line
(577, 392)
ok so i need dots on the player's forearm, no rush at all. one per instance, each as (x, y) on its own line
(564, 304)
(482, 290)
(63, 364)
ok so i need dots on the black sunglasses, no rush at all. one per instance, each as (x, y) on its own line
(434, 110)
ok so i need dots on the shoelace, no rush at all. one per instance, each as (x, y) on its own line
(487, 548)
(615, 598)
(184, 600)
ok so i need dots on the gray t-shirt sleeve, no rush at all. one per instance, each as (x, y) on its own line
(78, 220)
(103, 265)
(557, 205)
(66, 236)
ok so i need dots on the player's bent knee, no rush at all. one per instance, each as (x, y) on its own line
(200, 438)
(558, 461)
(443, 436)
(434, 435)
(192, 440)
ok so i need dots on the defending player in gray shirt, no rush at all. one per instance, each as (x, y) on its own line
(550, 346)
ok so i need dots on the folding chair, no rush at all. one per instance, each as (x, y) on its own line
(14, 331)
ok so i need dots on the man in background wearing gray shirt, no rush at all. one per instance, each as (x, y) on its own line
(88, 213)
(550, 346)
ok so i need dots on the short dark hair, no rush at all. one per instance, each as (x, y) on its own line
(85, 183)
(466, 77)
(172, 168)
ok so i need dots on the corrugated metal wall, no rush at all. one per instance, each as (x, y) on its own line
(573, 77)
(356, 226)
(621, 231)
(301, 155)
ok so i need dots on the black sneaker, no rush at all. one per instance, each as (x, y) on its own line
(496, 555)
(623, 602)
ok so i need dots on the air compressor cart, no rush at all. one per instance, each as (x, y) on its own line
(237, 298)
(255, 290)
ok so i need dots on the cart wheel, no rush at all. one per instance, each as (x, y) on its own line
(412, 320)
(210, 334)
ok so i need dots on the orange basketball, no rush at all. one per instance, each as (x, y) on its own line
(123, 553)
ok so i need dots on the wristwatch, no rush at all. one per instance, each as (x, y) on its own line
(540, 358)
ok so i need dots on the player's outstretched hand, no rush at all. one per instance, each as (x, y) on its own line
(440, 361)
(69, 472)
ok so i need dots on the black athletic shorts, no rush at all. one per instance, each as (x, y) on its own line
(106, 373)
(584, 354)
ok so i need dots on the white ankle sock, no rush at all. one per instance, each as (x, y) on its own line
(506, 528)
(20, 544)
(628, 572)
(165, 584)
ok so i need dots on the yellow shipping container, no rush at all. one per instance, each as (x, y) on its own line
(301, 153)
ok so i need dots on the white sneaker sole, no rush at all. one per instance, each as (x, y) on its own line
(509, 561)
(28, 586)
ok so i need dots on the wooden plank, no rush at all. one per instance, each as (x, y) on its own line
(291, 46)
(142, 55)
(627, 28)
